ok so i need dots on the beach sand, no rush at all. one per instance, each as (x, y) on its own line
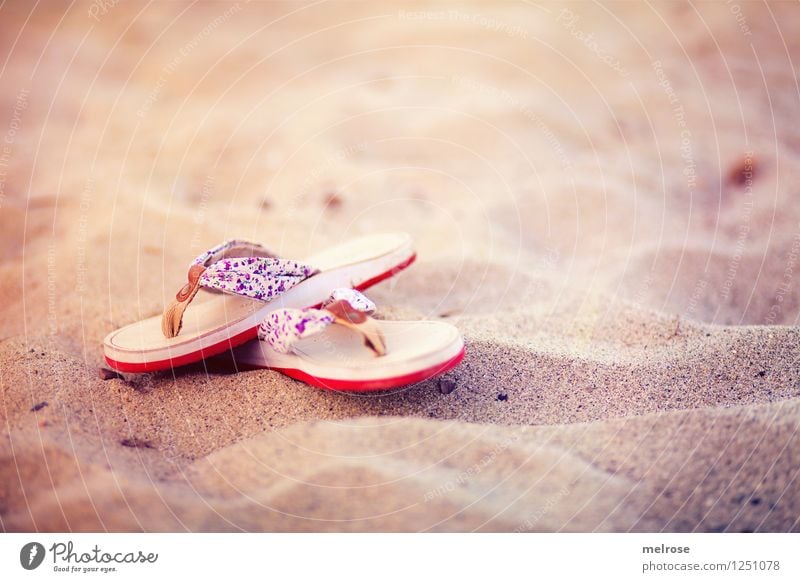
(604, 201)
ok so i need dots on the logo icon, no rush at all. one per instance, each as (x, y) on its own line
(31, 555)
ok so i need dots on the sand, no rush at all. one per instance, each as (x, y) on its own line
(604, 202)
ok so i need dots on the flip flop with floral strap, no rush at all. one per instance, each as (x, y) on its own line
(340, 347)
(246, 282)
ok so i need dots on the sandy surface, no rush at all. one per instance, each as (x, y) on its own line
(604, 200)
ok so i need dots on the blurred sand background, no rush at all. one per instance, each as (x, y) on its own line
(604, 198)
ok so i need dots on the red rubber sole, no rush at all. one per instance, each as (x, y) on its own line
(373, 385)
(232, 342)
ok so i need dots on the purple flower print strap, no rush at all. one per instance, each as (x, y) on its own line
(238, 267)
(283, 328)
(260, 278)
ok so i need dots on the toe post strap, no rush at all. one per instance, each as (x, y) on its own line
(172, 320)
(348, 316)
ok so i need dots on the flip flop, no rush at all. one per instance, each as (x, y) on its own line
(247, 282)
(339, 347)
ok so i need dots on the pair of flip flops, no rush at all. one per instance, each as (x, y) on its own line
(310, 316)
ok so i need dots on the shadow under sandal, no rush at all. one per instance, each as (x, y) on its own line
(339, 347)
(242, 282)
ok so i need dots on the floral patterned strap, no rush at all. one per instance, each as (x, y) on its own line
(283, 328)
(238, 267)
(229, 249)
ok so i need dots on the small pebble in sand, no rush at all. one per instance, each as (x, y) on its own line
(106, 374)
(136, 443)
(39, 406)
(447, 385)
(743, 172)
